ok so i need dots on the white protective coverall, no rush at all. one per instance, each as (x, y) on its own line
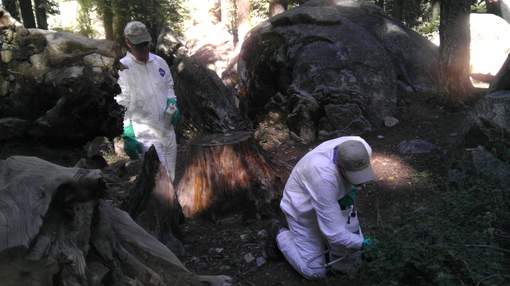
(145, 90)
(310, 204)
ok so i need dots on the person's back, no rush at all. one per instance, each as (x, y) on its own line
(312, 205)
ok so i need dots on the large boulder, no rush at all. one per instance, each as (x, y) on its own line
(333, 67)
(489, 43)
(60, 85)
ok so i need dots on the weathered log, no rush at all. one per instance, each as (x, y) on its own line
(63, 85)
(153, 203)
(57, 230)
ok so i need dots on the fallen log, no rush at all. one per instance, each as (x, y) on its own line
(58, 86)
(57, 230)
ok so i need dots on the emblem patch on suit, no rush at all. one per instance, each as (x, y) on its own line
(162, 72)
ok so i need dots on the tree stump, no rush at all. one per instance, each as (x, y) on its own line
(153, 202)
(224, 170)
(225, 173)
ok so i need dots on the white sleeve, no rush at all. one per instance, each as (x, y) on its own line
(331, 222)
(124, 97)
(169, 81)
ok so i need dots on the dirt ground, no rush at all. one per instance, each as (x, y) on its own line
(234, 248)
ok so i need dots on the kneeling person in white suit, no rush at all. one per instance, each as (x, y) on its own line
(318, 205)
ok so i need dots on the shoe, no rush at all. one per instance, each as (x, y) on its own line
(271, 246)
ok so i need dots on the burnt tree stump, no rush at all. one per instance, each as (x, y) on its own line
(225, 170)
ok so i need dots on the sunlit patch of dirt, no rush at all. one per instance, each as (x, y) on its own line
(392, 171)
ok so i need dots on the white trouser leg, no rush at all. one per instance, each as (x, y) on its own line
(164, 142)
(303, 248)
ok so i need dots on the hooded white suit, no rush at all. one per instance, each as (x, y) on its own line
(146, 87)
(310, 204)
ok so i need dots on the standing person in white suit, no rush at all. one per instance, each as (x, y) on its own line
(149, 98)
(318, 203)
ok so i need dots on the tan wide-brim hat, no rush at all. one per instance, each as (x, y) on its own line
(136, 32)
(354, 160)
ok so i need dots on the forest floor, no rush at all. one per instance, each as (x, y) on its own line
(237, 249)
(231, 247)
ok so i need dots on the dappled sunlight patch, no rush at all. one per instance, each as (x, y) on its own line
(392, 171)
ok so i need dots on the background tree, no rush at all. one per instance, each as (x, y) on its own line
(41, 13)
(12, 7)
(27, 13)
(454, 34)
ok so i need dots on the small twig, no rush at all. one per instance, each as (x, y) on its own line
(489, 247)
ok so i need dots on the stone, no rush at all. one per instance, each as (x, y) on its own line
(262, 233)
(260, 261)
(380, 136)
(248, 257)
(6, 56)
(488, 50)
(100, 146)
(415, 146)
(11, 128)
(333, 68)
(490, 167)
(492, 113)
(390, 121)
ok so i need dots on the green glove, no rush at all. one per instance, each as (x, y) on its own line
(172, 110)
(368, 243)
(131, 146)
(348, 200)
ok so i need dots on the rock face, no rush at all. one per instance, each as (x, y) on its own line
(61, 85)
(333, 67)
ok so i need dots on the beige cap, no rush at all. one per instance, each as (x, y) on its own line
(136, 32)
(354, 160)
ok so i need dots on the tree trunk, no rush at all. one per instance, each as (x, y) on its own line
(454, 49)
(380, 3)
(107, 14)
(41, 14)
(120, 10)
(398, 10)
(12, 8)
(27, 13)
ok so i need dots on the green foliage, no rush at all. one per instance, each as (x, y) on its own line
(84, 21)
(457, 240)
(156, 14)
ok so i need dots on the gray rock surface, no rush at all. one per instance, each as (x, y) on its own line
(63, 85)
(333, 67)
(415, 146)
